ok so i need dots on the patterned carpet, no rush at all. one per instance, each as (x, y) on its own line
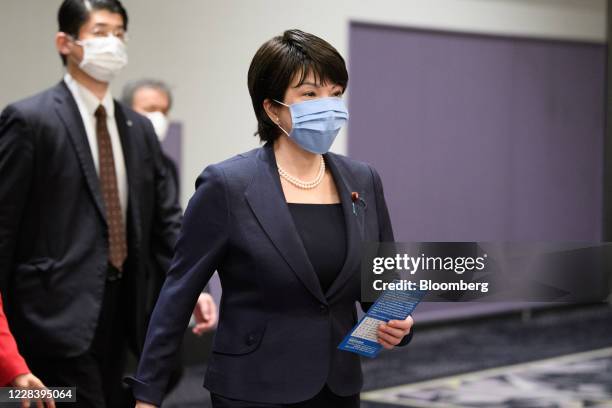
(575, 380)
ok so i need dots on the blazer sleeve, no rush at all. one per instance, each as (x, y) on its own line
(199, 251)
(16, 170)
(385, 227)
(11, 362)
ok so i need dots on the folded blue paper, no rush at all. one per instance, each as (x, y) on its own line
(391, 305)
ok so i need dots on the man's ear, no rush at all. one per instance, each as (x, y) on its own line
(271, 109)
(63, 43)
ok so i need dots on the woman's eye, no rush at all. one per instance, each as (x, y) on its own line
(309, 94)
(338, 94)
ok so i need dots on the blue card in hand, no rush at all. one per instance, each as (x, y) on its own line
(391, 305)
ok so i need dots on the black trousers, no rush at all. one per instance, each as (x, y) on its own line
(97, 374)
(324, 399)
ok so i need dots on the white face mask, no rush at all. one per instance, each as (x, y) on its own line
(103, 57)
(160, 123)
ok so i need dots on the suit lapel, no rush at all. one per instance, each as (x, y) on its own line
(68, 111)
(265, 197)
(353, 221)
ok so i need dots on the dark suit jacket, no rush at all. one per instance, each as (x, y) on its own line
(278, 332)
(53, 232)
(175, 182)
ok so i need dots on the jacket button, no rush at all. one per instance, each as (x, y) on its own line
(323, 308)
(251, 339)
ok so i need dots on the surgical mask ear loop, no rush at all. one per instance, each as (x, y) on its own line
(74, 41)
(284, 104)
(278, 119)
(78, 42)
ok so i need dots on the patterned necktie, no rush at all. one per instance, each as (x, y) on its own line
(110, 193)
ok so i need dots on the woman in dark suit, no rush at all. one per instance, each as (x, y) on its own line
(283, 225)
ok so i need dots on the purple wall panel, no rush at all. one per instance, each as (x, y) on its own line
(172, 145)
(478, 137)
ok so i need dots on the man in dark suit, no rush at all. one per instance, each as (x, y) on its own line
(85, 217)
(153, 99)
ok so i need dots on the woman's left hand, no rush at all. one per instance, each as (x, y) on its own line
(205, 314)
(391, 333)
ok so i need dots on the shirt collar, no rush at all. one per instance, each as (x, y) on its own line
(89, 100)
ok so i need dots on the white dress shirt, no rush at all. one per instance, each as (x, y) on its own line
(87, 103)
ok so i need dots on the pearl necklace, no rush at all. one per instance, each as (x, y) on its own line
(306, 185)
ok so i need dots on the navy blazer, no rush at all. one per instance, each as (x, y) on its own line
(53, 228)
(278, 333)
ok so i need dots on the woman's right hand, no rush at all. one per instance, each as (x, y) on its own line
(140, 404)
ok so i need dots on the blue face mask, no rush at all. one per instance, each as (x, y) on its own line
(316, 123)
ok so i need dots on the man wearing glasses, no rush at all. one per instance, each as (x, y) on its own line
(85, 220)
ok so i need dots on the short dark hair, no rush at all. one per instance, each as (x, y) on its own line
(279, 60)
(73, 14)
(130, 89)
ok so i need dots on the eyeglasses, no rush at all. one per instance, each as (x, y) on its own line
(100, 32)
(120, 33)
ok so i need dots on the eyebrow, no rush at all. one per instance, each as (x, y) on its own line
(313, 84)
(307, 83)
(105, 25)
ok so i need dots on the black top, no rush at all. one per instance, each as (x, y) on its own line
(321, 227)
